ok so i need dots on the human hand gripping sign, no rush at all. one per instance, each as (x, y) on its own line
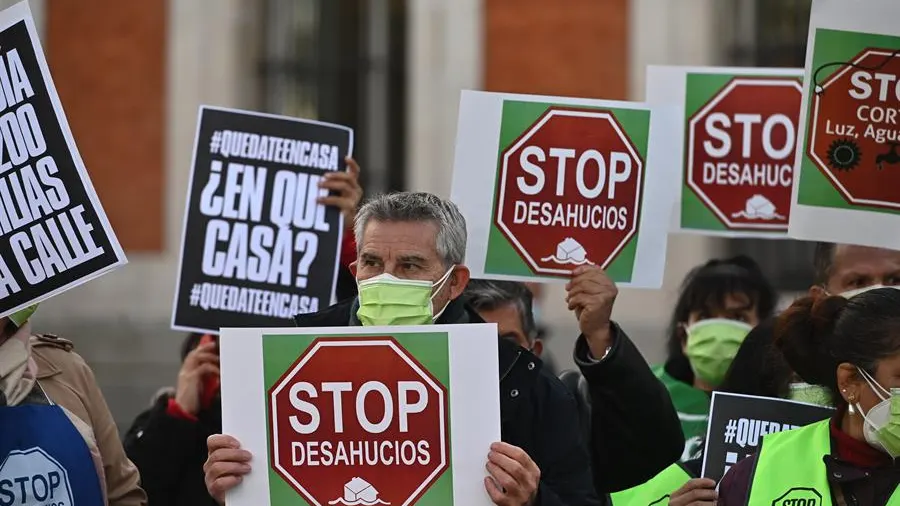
(592, 294)
(348, 191)
(696, 492)
(513, 477)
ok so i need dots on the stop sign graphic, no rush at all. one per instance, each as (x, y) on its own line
(569, 190)
(358, 421)
(740, 152)
(854, 128)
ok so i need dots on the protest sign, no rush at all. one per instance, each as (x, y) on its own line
(737, 424)
(849, 163)
(55, 234)
(547, 184)
(736, 144)
(257, 246)
(362, 415)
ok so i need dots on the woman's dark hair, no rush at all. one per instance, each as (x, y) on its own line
(706, 288)
(759, 368)
(819, 333)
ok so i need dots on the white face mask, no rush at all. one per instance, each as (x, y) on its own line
(881, 425)
(851, 293)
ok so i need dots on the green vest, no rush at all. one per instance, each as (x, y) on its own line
(656, 491)
(790, 470)
(692, 406)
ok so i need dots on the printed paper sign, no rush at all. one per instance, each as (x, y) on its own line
(737, 144)
(850, 158)
(737, 424)
(548, 184)
(55, 234)
(258, 248)
(362, 416)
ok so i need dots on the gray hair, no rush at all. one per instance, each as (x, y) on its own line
(485, 295)
(419, 206)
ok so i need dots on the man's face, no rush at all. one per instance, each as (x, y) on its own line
(509, 326)
(407, 250)
(860, 267)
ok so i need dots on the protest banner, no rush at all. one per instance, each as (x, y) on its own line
(55, 233)
(257, 247)
(737, 424)
(362, 416)
(547, 184)
(736, 144)
(849, 164)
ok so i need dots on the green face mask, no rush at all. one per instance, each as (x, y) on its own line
(23, 315)
(811, 394)
(385, 300)
(712, 345)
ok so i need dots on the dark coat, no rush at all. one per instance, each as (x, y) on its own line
(537, 412)
(170, 453)
(634, 428)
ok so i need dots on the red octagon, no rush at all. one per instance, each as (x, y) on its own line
(570, 191)
(329, 450)
(854, 129)
(740, 152)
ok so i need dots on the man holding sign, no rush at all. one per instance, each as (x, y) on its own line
(410, 271)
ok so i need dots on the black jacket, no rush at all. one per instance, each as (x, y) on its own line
(634, 428)
(170, 453)
(537, 412)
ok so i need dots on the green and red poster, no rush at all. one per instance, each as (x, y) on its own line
(736, 146)
(848, 187)
(362, 416)
(551, 183)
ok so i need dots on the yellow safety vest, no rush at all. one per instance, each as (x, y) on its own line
(790, 470)
(656, 491)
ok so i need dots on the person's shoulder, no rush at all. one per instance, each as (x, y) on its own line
(337, 315)
(53, 354)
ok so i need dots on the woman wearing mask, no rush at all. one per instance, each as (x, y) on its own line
(852, 347)
(720, 302)
(55, 427)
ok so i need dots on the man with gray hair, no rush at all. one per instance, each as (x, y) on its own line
(511, 306)
(419, 240)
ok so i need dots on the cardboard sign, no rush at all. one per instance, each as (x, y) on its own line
(358, 415)
(55, 235)
(846, 190)
(737, 424)
(737, 145)
(551, 183)
(257, 246)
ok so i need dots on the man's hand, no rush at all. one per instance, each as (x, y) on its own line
(203, 360)
(349, 192)
(591, 294)
(514, 477)
(696, 492)
(226, 465)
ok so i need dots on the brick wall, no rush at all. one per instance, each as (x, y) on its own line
(107, 58)
(568, 47)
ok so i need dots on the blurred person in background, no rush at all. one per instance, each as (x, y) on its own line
(852, 347)
(544, 332)
(168, 441)
(49, 400)
(719, 303)
(846, 269)
(510, 305)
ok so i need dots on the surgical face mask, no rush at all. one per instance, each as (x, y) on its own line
(712, 345)
(810, 394)
(881, 426)
(23, 315)
(386, 300)
(851, 293)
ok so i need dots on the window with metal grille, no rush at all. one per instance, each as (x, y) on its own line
(769, 33)
(342, 61)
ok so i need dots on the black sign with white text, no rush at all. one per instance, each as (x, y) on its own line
(258, 248)
(737, 424)
(54, 233)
